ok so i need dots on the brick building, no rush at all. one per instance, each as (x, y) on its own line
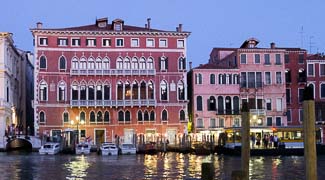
(111, 79)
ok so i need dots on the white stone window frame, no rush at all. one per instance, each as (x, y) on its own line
(63, 39)
(180, 43)
(106, 39)
(163, 39)
(135, 39)
(117, 39)
(75, 38)
(319, 66)
(88, 40)
(313, 75)
(149, 40)
(44, 44)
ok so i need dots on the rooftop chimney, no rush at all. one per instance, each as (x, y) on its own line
(39, 25)
(148, 22)
(180, 27)
(190, 64)
(272, 45)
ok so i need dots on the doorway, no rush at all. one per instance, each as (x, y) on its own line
(99, 136)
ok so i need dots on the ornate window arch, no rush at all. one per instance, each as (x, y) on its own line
(106, 117)
(150, 64)
(82, 116)
(163, 90)
(152, 115)
(65, 117)
(98, 63)
(106, 63)
(181, 90)
(164, 115)
(91, 63)
(135, 63)
(145, 115)
(43, 91)
(182, 115)
(182, 63)
(121, 116)
(42, 117)
(92, 117)
(127, 63)
(140, 116)
(99, 116)
(61, 91)
(42, 62)
(62, 63)
(75, 63)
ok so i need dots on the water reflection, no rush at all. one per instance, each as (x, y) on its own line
(77, 167)
(168, 166)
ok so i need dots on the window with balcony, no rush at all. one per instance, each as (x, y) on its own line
(181, 115)
(42, 117)
(106, 64)
(199, 103)
(150, 63)
(143, 89)
(98, 64)
(127, 90)
(134, 64)
(119, 63)
(127, 63)
(212, 79)
(91, 42)
(243, 59)
(107, 92)
(91, 92)
(119, 90)
(65, 117)
(267, 59)
(311, 69)
(83, 92)
(99, 92)
(43, 91)
(75, 92)
(61, 94)
(42, 64)
(75, 64)
(151, 94)
(62, 41)
(83, 63)
(257, 58)
(212, 103)
(181, 90)
(91, 63)
(278, 59)
(135, 90)
(75, 42)
(164, 115)
(163, 90)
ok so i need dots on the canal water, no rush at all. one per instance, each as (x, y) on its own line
(169, 166)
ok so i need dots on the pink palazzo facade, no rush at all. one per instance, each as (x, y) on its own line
(107, 80)
(246, 74)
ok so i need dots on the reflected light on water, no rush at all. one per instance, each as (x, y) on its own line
(77, 167)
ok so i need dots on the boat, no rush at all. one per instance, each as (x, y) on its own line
(83, 148)
(148, 148)
(50, 148)
(128, 149)
(108, 149)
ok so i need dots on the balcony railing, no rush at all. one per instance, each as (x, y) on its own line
(228, 112)
(79, 103)
(257, 112)
(111, 72)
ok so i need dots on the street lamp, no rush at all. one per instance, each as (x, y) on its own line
(82, 122)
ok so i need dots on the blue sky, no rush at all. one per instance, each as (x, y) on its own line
(213, 23)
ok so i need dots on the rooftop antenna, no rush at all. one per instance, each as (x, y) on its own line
(302, 36)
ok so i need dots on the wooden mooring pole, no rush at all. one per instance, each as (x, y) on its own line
(309, 134)
(245, 142)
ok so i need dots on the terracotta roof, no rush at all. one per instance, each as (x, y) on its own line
(316, 57)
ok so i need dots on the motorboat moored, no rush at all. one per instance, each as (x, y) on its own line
(50, 148)
(128, 149)
(83, 148)
(109, 149)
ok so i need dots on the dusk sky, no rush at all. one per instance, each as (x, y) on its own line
(213, 23)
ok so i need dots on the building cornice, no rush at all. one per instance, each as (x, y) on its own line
(101, 33)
